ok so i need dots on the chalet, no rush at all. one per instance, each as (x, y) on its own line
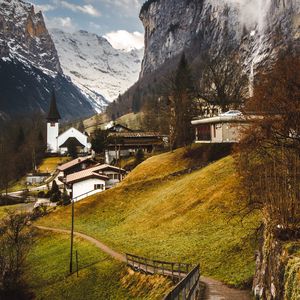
(124, 144)
(59, 143)
(93, 180)
(85, 183)
(224, 128)
(76, 165)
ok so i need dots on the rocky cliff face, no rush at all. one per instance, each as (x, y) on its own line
(30, 67)
(257, 27)
(24, 36)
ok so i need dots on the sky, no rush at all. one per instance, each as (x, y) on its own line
(117, 20)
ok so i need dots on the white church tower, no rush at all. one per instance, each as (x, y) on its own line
(53, 126)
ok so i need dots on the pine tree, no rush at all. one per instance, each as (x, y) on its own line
(182, 105)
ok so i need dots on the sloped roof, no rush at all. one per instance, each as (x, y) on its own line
(71, 140)
(105, 166)
(74, 162)
(53, 114)
(84, 174)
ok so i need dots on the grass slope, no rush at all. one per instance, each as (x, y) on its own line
(100, 277)
(49, 164)
(180, 218)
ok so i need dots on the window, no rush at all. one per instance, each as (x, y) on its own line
(116, 176)
(110, 176)
(98, 187)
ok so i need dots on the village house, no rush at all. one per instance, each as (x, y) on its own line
(224, 128)
(60, 143)
(127, 143)
(93, 180)
(76, 165)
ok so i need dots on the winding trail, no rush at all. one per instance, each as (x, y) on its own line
(215, 290)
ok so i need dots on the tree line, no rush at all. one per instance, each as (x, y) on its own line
(22, 147)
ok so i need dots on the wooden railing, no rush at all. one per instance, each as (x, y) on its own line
(185, 275)
(188, 288)
(173, 270)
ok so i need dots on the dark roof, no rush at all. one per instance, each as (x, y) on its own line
(53, 114)
(71, 141)
(135, 134)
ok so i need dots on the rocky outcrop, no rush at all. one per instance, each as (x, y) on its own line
(23, 35)
(278, 266)
(257, 28)
(30, 67)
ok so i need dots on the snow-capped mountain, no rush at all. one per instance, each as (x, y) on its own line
(30, 67)
(99, 70)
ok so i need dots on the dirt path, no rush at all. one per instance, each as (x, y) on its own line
(98, 244)
(215, 290)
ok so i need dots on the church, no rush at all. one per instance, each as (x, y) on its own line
(59, 143)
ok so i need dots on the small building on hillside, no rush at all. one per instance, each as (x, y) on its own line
(93, 180)
(36, 178)
(59, 143)
(76, 165)
(85, 183)
(125, 144)
(225, 128)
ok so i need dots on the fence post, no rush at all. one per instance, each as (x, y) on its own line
(77, 262)
(179, 271)
(172, 266)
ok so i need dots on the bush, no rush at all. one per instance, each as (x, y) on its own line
(41, 194)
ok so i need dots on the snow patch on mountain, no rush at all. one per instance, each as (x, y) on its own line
(99, 70)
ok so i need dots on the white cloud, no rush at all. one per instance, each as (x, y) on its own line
(126, 7)
(44, 7)
(125, 40)
(63, 23)
(251, 12)
(86, 9)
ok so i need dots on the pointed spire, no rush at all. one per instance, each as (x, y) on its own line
(53, 114)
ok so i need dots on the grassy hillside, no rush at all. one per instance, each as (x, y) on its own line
(100, 277)
(49, 164)
(181, 218)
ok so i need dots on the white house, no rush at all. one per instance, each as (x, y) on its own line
(58, 143)
(225, 128)
(93, 180)
(86, 183)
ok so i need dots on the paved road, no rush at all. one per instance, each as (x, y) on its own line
(215, 290)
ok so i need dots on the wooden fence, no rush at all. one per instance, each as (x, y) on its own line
(184, 275)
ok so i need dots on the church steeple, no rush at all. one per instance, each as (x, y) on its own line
(53, 114)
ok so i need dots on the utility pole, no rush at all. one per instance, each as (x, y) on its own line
(72, 239)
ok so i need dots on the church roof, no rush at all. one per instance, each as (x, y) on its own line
(53, 114)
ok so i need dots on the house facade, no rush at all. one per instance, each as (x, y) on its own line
(93, 180)
(225, 128)
(125, 144)
(85, 183)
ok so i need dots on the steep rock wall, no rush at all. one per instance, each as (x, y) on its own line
(257, 27)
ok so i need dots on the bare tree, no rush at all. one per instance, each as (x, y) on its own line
(15, 242)
(222, 81)
(269, 155)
